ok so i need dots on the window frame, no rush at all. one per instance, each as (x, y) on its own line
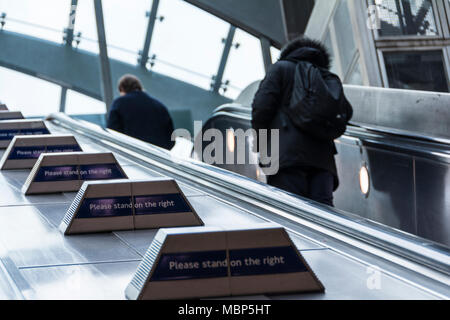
(437, 18)
(444, 16)
(356, 60)
(444, 50)
(331, 29)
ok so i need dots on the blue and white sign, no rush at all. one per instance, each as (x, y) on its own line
(219, 262)
(161, 204)
(83, 172)
(105, 207)
(108, 171)
(195, 265)
(8, 134)
(214, 264)
(25, 153)
(57, 173)
(123, 204)
(272, 260)
(63, 148)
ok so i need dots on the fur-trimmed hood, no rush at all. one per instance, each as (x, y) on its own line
(305, 49)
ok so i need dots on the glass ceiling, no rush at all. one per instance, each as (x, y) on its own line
(34, 18)
(41, 98)
(187, 42)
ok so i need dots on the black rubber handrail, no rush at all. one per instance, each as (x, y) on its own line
(234, 108)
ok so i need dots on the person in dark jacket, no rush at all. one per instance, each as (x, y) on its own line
(137, 114)
(306, 165)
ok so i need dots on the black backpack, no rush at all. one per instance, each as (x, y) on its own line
(318, 105)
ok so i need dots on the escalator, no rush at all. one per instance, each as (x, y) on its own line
(393, 177)
(344, 250)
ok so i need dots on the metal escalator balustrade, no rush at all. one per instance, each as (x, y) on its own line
(408, 174)
(96, 266)
(402, 137)
(418, 254)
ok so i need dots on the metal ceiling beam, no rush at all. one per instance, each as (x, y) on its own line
(223, 62)
(107, 87)
(261, 18)
(296, 14)
(71, 25)
(63, 98)
(276, 20)
(149, 35)
(265, 49)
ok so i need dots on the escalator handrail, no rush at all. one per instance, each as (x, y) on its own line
(428, 149)
(414, 249)
(234, 108)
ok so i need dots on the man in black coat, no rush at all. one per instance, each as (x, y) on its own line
(306, 165)
(137, 114)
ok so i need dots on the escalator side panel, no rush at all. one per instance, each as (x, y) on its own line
(391, 198)
(433, 200)
(402, 193)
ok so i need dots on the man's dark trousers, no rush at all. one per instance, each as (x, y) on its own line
(312, 183)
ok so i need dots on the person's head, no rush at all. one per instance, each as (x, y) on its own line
(129, 83)
(308, 49)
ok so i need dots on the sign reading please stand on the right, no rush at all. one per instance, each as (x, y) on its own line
(215, 262)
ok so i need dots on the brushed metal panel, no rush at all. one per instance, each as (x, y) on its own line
(346, 279)
(53, 213)
(218, 214)
(80, 282)
(8, 291)
(136, 172)
(215, 213)
(391, 197)
(31, 240)
(391, 108)
(348, 196)
(391, 200)
(16, 178)
(433, 201)
(139, 240)
(90, 146)
(401, 109)
(11, 194)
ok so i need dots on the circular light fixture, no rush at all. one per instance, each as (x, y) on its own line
(364, 180)
(231, 144)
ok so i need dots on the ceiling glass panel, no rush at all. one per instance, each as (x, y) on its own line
(85, 23)
(275, 53)
(245, 64)
(41, 98)
(44, 19)
(126, 25)
(188, 43)
(77, 103)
